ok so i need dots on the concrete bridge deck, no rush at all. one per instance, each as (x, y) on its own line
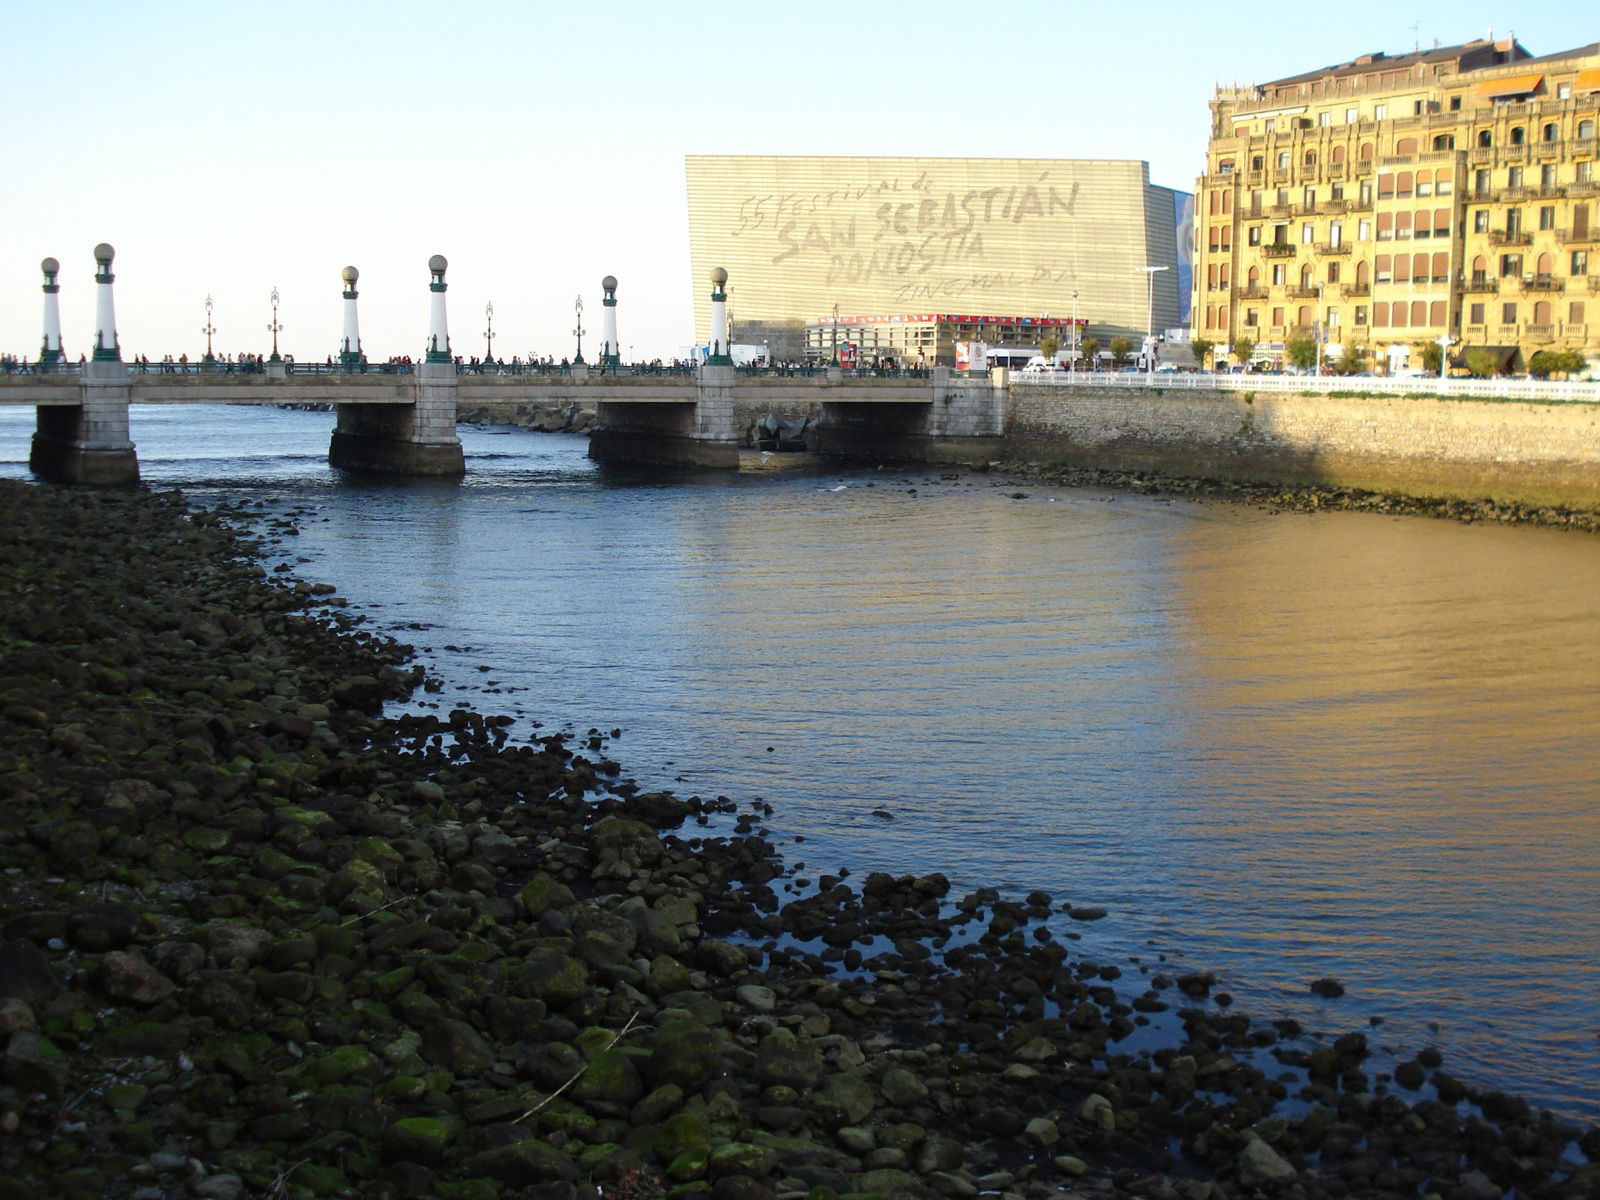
(405, 422)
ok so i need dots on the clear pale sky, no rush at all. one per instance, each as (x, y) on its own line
(225, 149)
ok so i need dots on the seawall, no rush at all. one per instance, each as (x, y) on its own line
(1513, 452)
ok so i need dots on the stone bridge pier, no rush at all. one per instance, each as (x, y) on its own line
(416, 438)
(944, 419)
(691, 425)
(88, 442)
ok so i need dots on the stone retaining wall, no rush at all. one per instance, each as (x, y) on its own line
(1515, 452)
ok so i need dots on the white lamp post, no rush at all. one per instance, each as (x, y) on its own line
(1076, 340)
(1445, 342)
(1150, 322)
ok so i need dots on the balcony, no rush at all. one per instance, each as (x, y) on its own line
(1298, 291)
(1514, 154)
(1553, 192)
(1335, 170)
(1543, 283)
(1355, 289)
(1583, 187)
(1540, 333)
(1333, 208)
(1520, 194)
(1509, 237)
(1253, 178)
(1252, 291)
(1278, 250)
(1333, 247)
(1583, 237)
(1480, 286)
(1482, 154)
(1280, 210)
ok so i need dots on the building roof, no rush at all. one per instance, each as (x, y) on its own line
(1468, 56)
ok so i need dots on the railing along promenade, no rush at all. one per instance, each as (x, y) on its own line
(1543, 391)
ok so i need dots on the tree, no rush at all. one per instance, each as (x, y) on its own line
(1301, 351)
(1242, 350)
(1480, 362)
(1090, 348)
(1432, 357)
(1048, 347)
(1352, 357)
(1202, 348)
(1546, 363)
(1119, 350)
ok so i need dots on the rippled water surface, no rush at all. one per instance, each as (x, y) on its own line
(1275, 746)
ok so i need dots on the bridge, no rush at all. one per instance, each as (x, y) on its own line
(403, 420)
(406, 422)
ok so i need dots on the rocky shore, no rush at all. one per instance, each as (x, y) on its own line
(1305, 498)
(261, 939)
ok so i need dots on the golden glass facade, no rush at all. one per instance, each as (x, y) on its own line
(1391, 202)
(804, 238)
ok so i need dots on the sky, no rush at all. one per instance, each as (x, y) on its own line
(227, 149)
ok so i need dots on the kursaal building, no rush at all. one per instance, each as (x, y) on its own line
(998, 241)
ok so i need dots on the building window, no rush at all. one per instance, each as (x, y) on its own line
(1575, 313)
(1508, 314)
(1361, 314)
(1352, 115)
(1280, 275)
(1585, 130)
(1271, 124)
(1444, 185)
(1547, 177)
(1580, 262)
(1309, 197)
(1277, 316)
(1550, 134)
(1513, 221)
(1485, 137)
(1252, 235)
(1380, 112)
(1518, 135)
(1333, 318)
(1364, 229)
(1333, 272)
(1511, 266)
(1325, 119)
(1283, 160)
(1563, 91)
(1480, 183)
(1445, 141)
(1480, 221)
(1514, 177)
(1307, 232)
(1547, 217)
(1475, 314)
(1424, 183)
(1250, 318)
(1455, 103)
(1382, 269)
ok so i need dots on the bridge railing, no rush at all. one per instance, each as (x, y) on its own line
(1545, 391)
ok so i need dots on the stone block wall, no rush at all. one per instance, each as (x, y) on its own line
(1515, 452)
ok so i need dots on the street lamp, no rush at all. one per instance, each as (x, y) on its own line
(1320, 330)
(1076, 341)
(208, 331)
(1445, 342)
(488, 332)
(275, 329)
(836, 335)
(578, 329)
(1150, 322)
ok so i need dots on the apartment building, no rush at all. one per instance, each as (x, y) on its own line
(1393, 202)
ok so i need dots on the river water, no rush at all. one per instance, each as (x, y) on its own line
(1275, 746)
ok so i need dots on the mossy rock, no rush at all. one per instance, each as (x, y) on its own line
(688, 1055)
(544, 892)
(691, 1164)
(567, 1118)
(403, 1089)
(611, 1078)
(420, 1139)
(557, 979)
(681, 1133)
(346, 1064)
(742, 1158)
(843, 1100)
(524, 1164)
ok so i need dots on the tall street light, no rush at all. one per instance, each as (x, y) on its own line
(275, 329)
(578, 329)
(1150, 322)
(208, 331)
(488, 332)
(1076, 340)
